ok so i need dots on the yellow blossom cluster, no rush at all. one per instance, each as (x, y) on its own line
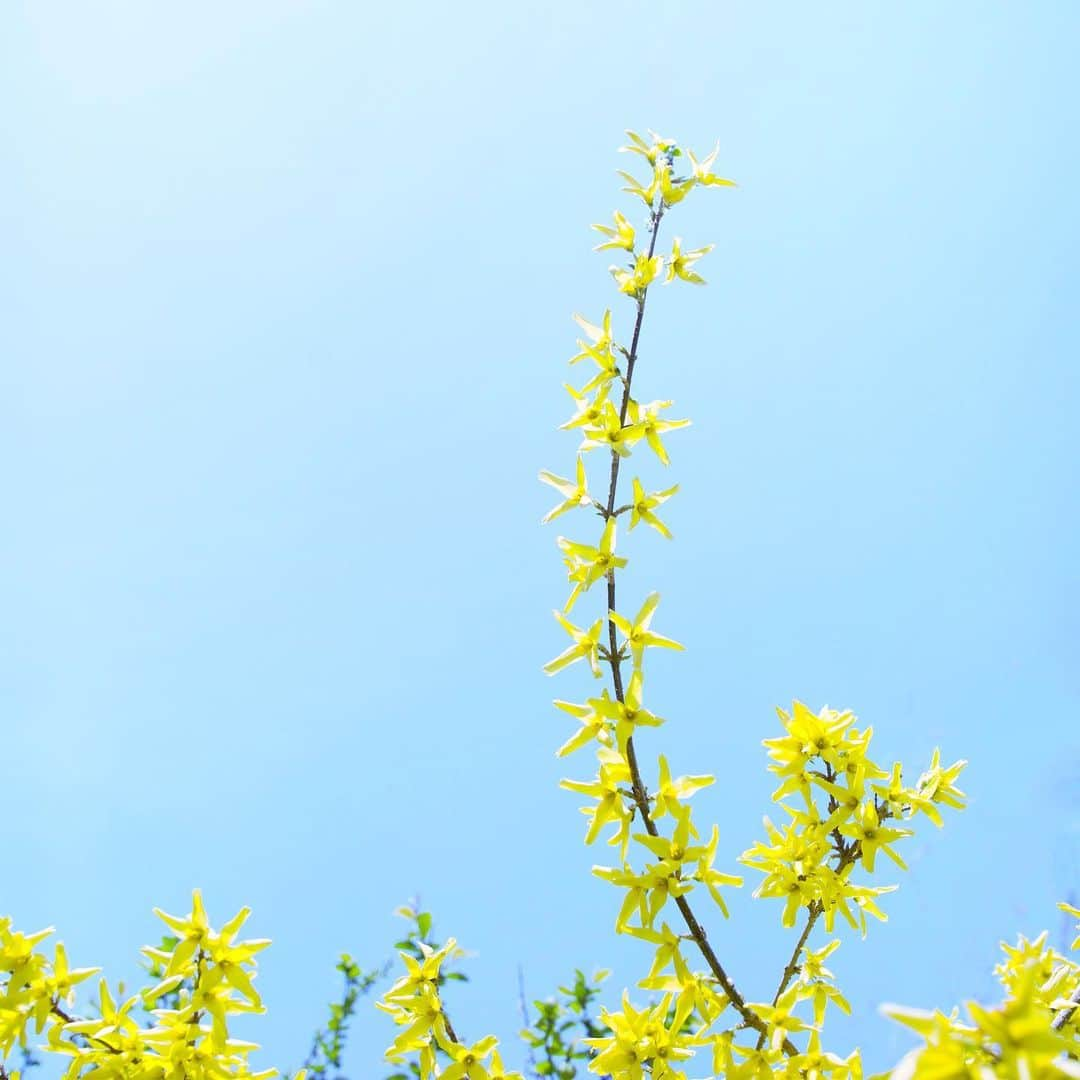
(415, 1004)
(1034, 1033)
(841, 820)
(176, 1029)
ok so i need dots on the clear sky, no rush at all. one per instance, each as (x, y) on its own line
(284, 315)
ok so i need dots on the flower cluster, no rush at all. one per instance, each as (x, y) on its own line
(415, 1004)
(205, 978)
(843, 820)
(1034, 1033)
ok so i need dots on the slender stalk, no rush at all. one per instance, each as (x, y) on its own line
(1062, 1017)
(792, 968)
(640, 794)
(847, 855)
(450, 1027)
(69, 1019)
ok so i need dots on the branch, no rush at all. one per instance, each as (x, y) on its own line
(56, 1010)
(1062, 1017)
(640, 795)
(792, 969)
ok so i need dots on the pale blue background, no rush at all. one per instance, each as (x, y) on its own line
(285, 311)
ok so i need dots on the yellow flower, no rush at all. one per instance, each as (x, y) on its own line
(628, 714)
(586, 645)
(606, 789)
(672, 191)
(646, 419)
(677, 848)
(574, 492)
(780, 1018)
(468, 1061)
(711, 878)
(638, 634)
(622, 236)
(938, 784)
(642, 507)
(659, 147)
(867, 829)
(594, 723)
(680, 262)
(640, 276)
(590, 411)
(587, 565)
(611, 433)
(669, 792)
(701, 170)
(600, 348)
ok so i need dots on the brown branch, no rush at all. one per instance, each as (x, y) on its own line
(814, 911)
(450, 1028)
(1062, 1017)
(792, 969)
(69, 1019)
(640, 795)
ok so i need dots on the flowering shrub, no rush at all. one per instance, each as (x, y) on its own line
(844, 819)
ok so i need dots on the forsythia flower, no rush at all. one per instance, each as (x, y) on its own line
(647, 892)
(641, 509)
(628, 714)
(780, 1018)
(594, 724)
(650, 152)
(701, 170)
(640, 276)
(606, 790)
(574, 492)
(587, 565)
(711, 878)
(634, 187)
(646, 419)
(590, 410)
(670, 792)
(622, 236)
(866, 828)
(638, 635)
(600, 348)
(610, 432)
(680, 262)
(468, 1061)
(672, 191)
(938, 784)
(586, 645)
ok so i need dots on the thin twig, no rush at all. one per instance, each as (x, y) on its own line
(814, 911)
(69, 1019)
(449, 1027)
(523, 1006)
(1062, 1017)
(792, 969)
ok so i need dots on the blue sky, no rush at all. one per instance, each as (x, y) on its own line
(284, 318)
